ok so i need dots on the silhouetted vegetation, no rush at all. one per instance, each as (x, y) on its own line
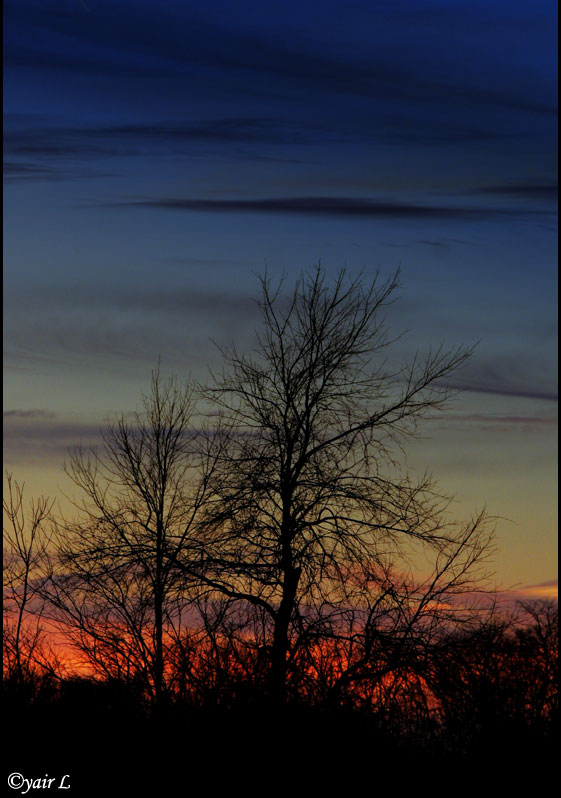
(483, 699)
(232, 574)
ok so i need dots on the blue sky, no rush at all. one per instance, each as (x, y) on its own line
(157, 156)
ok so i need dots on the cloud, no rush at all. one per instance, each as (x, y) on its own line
(345, 207)
(391, 86)
(39, 437)
(35, 151)
(426, 132)
(265, 48)
(138, 300)
(120, 329)
(28, 414)
(494, 420)
(16, 171)
(528, 373)
(240, 137)
(542, 590)
(503, 388)
(42, 438)
(134, 138)
(538, 191)
(124, 347)
(509, 600)
(440, 243)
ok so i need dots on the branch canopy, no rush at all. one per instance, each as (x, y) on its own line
(309, 482)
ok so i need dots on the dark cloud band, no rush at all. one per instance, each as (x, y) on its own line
(329, 206)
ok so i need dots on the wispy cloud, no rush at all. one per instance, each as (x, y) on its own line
(486, 421)
(123, 329)
(524, 374)
(180, 38)
(537, 191)
(330, 207)
(39, 437)
(17, 171)
(506, 388)
(43, 438)
(28, 414)
(110, 326)
(38, 151)
(135, 138)
(542, 590)
(141, 300)
(386, 86)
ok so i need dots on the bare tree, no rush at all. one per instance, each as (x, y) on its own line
(495, 681)
(310, 499)
(113, 582)
(26, 539)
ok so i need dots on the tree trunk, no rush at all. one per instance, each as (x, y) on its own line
(159, 620)
(158, 652)
(280, 639)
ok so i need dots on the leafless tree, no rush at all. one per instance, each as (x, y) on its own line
(497, 678)
(113, 583)
(311, 501)
(26, 539)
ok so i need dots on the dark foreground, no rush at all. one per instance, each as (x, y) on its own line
(105, 749)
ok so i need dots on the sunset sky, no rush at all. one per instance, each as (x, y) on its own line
(158, 155)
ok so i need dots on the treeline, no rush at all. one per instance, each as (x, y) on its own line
(258, 545)
(498, 677)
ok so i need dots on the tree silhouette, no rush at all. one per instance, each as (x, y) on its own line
(285, 551)
(113, 583)
(312, 512)
(496, 681)
(26, 539)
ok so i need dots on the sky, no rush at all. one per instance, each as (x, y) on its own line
(159, 156)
